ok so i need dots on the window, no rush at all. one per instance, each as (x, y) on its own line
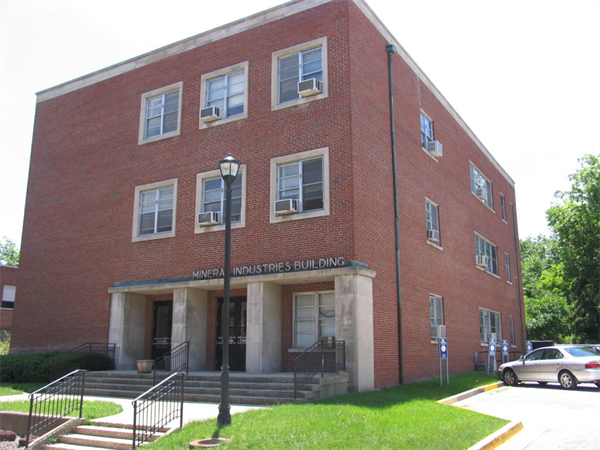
(160, 115)
(436, 314)
(314, 317)
(507, 266)
(432, 221)
(295, 64)
(426, 130)
(154, 210)
(303, 177)
(486, 255)
(489, 325)
(8, 296)
(503, 206)
(481, 187)
(512, 330)
(227, 89)
(210, 197)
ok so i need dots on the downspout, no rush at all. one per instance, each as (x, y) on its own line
(517, 278)
(391, 49)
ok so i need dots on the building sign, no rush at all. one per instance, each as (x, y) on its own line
(282, 267)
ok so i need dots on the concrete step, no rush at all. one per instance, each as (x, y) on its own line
(96, 441)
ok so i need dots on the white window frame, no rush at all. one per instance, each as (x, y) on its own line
(479, 180)
(485, 325)
(9, 293)
(511, 321)
(316, 319)
(425, 136)
(275, 105)
(503, 206)
(142, 139)
(490, 250)
(136, 237)
(200, 178)
(430, 224)
(434, 320)
(204, 93)
(507, 266)
(282, 160)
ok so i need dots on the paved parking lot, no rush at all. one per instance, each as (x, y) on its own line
(553, 418)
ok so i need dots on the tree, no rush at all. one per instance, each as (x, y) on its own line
(9, 253)
(576, 225)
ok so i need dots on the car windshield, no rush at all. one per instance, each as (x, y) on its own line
(579, 352)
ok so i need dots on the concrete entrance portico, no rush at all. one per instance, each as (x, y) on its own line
(353, 313)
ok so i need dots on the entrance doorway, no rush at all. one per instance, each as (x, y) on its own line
(237, 334)
(162, 326)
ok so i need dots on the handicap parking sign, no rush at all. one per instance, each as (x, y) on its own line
(504, 347)
(529, 346)
(492, 347)
(443, 348)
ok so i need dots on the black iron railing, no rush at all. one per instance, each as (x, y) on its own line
(51, 404)
(326, 355)
(86, 356)
(157, 407)
(176, 360)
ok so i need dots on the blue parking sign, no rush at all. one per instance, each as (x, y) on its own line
(529, 346)
(504, 347)
(443, 348)
(492, 347)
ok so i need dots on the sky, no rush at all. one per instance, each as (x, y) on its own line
(523, 74)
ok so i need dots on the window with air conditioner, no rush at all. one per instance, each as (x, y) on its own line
(436, 315)
(428, 142)
(210, 201)
(490, 325)
(155, 210)
(160, 115)
(432, 222)
(224, 95)
(314, 317)
(486, 255)
(481, 187)
(299, 74)
(300, 185)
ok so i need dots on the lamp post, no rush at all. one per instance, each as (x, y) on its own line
(229, 169)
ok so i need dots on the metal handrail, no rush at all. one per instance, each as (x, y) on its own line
(53, 402)
(176, 360)
(157, 407)
(318, 359)
(59, 364)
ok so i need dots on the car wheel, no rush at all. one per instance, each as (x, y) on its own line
(542, 383)
(567, 380)
(510, 378)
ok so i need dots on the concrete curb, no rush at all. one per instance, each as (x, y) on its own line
(496, 439)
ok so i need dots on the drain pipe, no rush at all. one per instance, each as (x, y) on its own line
(391, 49)
(517, 278)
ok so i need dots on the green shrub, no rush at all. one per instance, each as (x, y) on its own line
(37, 367)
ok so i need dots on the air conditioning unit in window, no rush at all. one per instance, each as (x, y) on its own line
(481, 261)
(287, 206)
(435, 148)
(433, 236)
(207, 219)
(210, 114)
(310, 87)
(481, 193)
(441, 331)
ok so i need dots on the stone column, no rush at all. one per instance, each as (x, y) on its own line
(354, 325)
(263, 343)
(127, 328)
(190, 324)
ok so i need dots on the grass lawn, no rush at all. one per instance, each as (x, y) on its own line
(402, 417)
(91, 409)
(19, 388)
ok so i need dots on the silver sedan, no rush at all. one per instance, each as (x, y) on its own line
(565, 364)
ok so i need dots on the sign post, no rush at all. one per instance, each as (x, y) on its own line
(505, 347)
(491, 355)
(443, 345)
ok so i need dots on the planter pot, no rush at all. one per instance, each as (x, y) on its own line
(144, 365)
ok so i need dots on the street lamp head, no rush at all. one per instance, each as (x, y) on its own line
(229, 169)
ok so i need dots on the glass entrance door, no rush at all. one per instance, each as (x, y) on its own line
(161, 328)
(237, 334)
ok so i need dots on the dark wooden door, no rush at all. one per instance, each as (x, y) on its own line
(162, 326)
(237, 334)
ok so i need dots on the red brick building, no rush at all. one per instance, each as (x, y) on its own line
(8, 289)
(123, 229)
